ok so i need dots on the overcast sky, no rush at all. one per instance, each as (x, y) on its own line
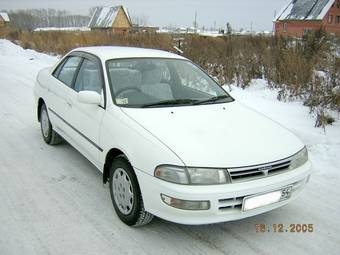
(181, 13)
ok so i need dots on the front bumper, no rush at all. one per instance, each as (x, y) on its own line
(225, 200)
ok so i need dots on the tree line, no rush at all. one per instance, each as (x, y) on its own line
(34, 18)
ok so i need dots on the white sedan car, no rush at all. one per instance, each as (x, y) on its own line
(168, 139)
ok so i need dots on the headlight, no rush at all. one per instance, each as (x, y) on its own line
(172, 174)
(207, 176)
(192, 175)
(299, 159)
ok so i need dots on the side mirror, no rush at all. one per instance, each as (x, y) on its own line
(89, 97)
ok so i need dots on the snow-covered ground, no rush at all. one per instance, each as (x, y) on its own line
(39, 29)
(52, 200)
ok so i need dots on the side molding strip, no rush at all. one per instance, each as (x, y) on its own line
(80, 133)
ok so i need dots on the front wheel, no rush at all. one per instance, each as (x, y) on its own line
(125, 194)
(48, 134)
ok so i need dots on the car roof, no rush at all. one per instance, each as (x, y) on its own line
(115, 52)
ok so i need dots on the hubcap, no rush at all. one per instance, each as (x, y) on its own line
(122, 191)
(45, 125)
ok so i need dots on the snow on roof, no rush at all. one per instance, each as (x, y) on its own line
(103, 17)
(4, 16)
(305, 10)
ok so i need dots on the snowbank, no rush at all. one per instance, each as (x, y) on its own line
(21, 63)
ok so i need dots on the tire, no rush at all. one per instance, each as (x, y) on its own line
(48, 134)
(125, 194)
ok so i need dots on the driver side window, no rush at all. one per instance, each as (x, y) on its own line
(89, 77)
(65, 71)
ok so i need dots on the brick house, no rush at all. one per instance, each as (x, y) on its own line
(301, 16)
(115, 19)
(4, 19)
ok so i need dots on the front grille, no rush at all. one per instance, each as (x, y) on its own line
(230, 204)
(249, 173)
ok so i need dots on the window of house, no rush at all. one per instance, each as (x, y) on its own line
(285, 26)
(330, 19)
(338, 19)
(307, 30)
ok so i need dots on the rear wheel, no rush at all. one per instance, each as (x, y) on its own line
(48, 134)
(125, 194)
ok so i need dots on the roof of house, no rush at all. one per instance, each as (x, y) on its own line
(305, 10)
(4, 16)
(103, 17)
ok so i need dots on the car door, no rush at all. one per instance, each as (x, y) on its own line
(60, 86)
(86, 119)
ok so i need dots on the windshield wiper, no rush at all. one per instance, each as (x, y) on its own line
(214, 99)
(170, 102)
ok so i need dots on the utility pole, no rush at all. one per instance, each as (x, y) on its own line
(195, 22)
(273, 30)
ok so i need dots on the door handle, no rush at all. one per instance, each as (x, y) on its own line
(69, 102)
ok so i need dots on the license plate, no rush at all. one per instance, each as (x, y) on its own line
(259, 200)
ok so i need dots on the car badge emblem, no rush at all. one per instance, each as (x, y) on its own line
(265, 169)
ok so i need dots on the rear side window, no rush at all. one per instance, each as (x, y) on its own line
(66, 70)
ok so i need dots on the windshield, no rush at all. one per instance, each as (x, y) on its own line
(148, 82)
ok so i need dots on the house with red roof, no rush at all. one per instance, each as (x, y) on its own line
(300, 16)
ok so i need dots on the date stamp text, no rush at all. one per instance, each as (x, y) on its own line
(282, 228)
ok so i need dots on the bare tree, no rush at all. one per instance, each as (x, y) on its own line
(33, 18)
(92, 10)
(140, 21)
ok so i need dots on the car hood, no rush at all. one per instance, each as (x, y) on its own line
(218, 135)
